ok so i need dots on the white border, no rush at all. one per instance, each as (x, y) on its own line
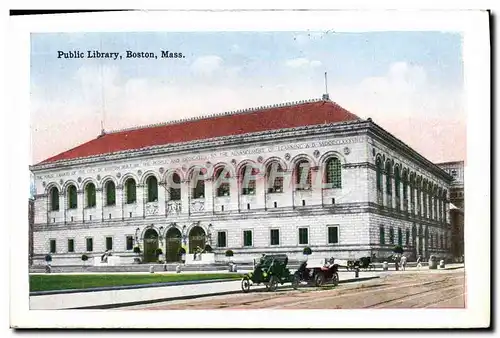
(474, 26)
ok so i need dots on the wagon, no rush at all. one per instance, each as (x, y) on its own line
(270, 271)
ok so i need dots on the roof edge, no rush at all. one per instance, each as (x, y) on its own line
(227, 113)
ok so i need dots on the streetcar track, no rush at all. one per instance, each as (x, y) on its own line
(362, 292)
(412, 296)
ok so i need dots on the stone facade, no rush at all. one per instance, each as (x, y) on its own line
(457, 199)
(262, 219)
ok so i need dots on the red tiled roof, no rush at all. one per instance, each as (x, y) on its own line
(255, 120)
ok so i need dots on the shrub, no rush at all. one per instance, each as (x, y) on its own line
(137, 250)
(229, 253)
(48, 258)
(85, 257)
(208, 248)
(398, 249)
(307, 251)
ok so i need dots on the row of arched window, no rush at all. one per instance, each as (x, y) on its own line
(432, 197)
(247, 183)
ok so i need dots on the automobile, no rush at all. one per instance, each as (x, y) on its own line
(318, 273)
(271, 270)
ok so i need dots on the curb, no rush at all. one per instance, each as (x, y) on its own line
(160, 300)
(129, 287)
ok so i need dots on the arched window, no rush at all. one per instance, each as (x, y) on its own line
(110, 193)
(424, 197)
(333, 173)
(130, 190)
(72, 197)
(388, 181)
(222, 181)
(274, 177)
(54, 199)
(397, 181)
(303, 175)
(379, 174)
(90, 194)
(247, 178)
(152, 184)
(174, 187)
(198, 183)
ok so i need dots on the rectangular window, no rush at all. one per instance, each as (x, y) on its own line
(52, 246)
(109, 243)
(303, 236)
(71, 245)
(407, 237)
(382, 235)
(221, 239)
(275, 237)
(391, 235)
(333, 235)
(90, 244)
(247, 238)
(400, 237)
(130, 242)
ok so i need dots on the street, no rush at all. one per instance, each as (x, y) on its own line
(410, 289)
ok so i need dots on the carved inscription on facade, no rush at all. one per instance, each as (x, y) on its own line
(205, 157)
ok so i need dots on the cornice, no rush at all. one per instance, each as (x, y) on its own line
(382, 135)
(339, 128)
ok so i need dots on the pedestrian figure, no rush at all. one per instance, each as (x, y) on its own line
(403, 263)
(419, 262)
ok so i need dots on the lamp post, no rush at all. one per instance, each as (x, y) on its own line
(137, 236)
(161, 236)
(209, 235)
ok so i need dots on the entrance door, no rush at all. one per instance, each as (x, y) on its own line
(196, 239)
(173, 239)
(150, 245)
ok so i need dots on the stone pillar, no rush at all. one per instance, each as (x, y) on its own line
(316, 186)
(141, 197)
(98, 202)
(185, 196)
(387, 197)
(260, 194)
(81, 204)
(119, 196)
(62, 207)
(233, 193)
(162, 192)
(288, 187)
(209, 195)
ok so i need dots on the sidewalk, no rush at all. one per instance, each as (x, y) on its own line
(128, 297)
(147, 294)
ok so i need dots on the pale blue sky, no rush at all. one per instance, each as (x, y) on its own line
(383, 75)
(347, 57)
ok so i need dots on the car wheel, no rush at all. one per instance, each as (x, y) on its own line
(320, 279)
(273, 283)
(335, 279)
(245, 284)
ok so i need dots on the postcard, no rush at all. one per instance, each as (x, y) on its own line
(302, 166)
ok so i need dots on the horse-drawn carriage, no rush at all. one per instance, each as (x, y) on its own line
(270, 271)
